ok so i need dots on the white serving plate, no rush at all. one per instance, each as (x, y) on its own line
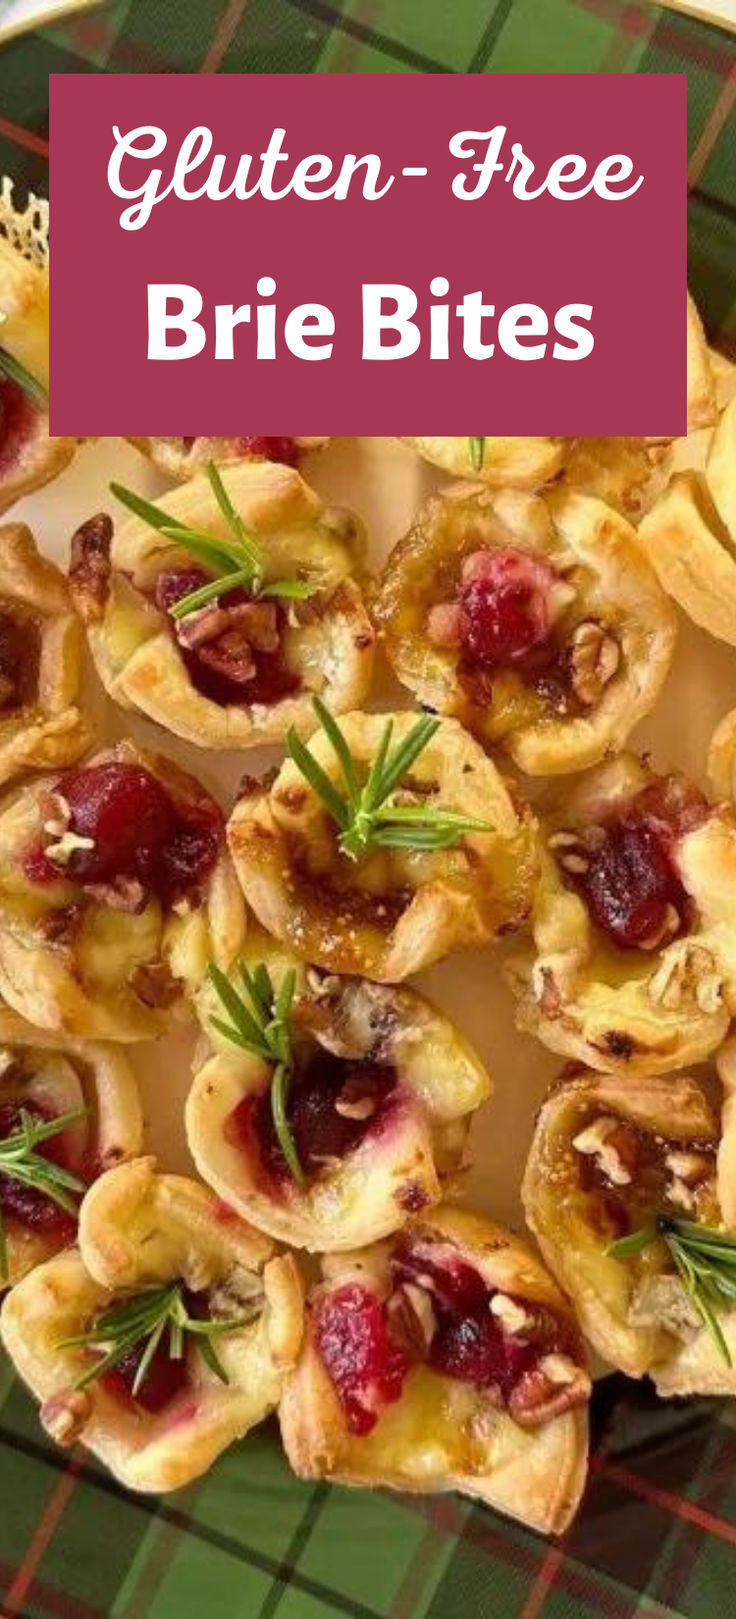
(384, 482)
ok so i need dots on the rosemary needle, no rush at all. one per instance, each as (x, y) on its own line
(365, 812)
(237, 560)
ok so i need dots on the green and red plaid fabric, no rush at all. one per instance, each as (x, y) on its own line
(657, 1535)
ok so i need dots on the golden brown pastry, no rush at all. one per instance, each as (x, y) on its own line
(537, 622)
(69, 1109)
(337, 1125)
(617, 470)
(157, 1413)
(633, 965)
(28, 456)
(721, 470)
(115, 891)
(626, 1186)
(239, 669)
(182, 458)
(515, 463)
(444, 1359)
(687, 542)
(41, 725)
(368, 895)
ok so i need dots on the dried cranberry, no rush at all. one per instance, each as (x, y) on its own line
(26, 1203)
(475, 1349)
(137, 831)
(631, 882)
(504, 605)
(18, 418)
(127, 814)
(164, 1379)
(274, 449)
(365, 1367)
(318, 1129)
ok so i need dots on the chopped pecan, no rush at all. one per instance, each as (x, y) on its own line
(541, 1393)
(226, 638)
(90, 567)
(155, 985)
(412, 1318)
(613, 1144)
(65, 1416)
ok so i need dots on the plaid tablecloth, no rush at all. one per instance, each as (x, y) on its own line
(657, 1536)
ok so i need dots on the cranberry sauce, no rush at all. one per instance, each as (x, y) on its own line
(28, 1205)
(332, 1105)
(139, 834)
(18, 417)
(365, 1365)
(468, 1332)
(631, 883)
(232, 649)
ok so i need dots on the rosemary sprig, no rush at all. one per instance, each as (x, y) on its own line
(15, 371)
(260, 1023)
(235, 560)
(146, 1317)
(365, 813)
(704, 1259)
(477, 449)
(20, 1161)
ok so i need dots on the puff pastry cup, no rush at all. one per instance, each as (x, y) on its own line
(28, 456)
(116, 889)
(140, 1230)
(445, 1359)
(608, 1158)
(617, 470)
(182, 458)
(381, 1094)
(41, 724)
(47, 1077)
(632, 966)
(537, 622)
(689, 534)
(240, 671)
(389, 912)
(517, 463)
